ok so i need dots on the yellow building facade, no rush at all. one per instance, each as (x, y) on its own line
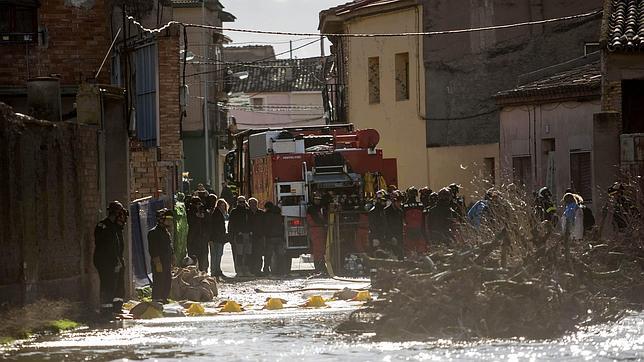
(386, 88)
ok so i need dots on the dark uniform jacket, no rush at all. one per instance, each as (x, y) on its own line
(274, 223)
(217, 225)
(256, 222)
(108, 250)
(395, 222)
(197, 229)
(377, 223)
(238, 220)
(160, 244)
(441, 220)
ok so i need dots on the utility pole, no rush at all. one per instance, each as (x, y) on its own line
(206, 113)
(321, 45)
(290, 42)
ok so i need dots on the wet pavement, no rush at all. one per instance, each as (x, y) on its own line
(296, 333)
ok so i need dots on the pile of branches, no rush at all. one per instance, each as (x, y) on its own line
(513, 277)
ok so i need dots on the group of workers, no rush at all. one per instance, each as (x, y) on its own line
(400, 224)
(256, 235)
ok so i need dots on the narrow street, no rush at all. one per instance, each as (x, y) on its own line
(305, 334)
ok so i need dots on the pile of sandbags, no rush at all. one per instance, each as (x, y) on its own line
(191, 284)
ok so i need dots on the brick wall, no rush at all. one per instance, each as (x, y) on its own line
(612, 96)
(169, 107)
(49, 192)
(143, 162)
(147, 174)
(76, 41)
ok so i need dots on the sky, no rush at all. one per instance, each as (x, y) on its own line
(278, 15)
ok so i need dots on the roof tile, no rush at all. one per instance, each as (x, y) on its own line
(284, 75)
(626, 25)
(580, 79)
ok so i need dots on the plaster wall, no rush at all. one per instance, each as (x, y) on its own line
(400, 123)
(273, 117)
(524, 129)
(464, 165)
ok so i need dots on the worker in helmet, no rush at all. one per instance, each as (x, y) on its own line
(545, 208)
(316, 221)
(395, 217)
(414, 242)
(377, 221)
(239, 229)
(197, 232)
(458, 203)
(425, 192)
(441, 218)
(108, 257)
(160, 249)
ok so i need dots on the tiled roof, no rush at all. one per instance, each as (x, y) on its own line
(284, 75)
(582, 80)
(350, 6)
(626, 25)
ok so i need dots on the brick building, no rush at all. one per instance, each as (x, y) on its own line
(65, 39)
(622, 110)
(148, 67)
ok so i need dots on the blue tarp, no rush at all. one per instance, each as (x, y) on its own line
(143, 219)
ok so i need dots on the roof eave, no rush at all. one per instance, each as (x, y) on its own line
(549, 95)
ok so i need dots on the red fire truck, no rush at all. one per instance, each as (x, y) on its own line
(287, 165)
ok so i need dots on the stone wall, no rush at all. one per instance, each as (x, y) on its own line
(51, 203)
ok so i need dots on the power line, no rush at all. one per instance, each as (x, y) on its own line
(256, 61)
(268, 42)
(364, 35)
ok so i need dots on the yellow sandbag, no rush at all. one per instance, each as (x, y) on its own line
(315, 301)
(274, 303)
(195, 310)
(363, 296)
(231, 307)
(151, 312)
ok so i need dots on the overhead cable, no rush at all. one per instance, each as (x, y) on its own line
(365, 35)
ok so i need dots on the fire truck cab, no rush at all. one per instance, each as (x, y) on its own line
(287, 165)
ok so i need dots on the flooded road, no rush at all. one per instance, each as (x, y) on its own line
(303, 334)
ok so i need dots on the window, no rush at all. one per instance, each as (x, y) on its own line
(146, 95)
(522, 175)
(257, 103)
(18, 23)
(580, 175)
(402, 76)
(374, 80)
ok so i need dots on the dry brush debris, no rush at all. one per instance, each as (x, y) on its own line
(514, 277)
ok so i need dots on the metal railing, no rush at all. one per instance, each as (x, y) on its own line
(334, 105)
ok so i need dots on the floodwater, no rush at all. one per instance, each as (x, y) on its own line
(302, 334)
